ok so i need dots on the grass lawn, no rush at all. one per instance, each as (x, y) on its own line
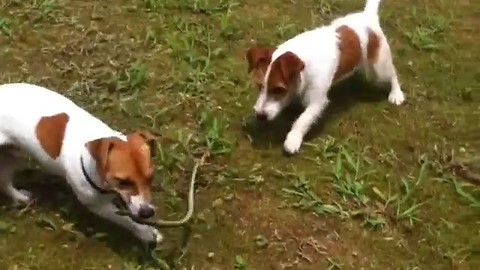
(376, 186)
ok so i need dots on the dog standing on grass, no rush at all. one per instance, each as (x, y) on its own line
(308, 64)
(98, 162)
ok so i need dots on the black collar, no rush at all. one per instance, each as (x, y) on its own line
(90, 181)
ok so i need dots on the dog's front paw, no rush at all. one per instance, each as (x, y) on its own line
(292, 144)
(150, 236)
(396, 97)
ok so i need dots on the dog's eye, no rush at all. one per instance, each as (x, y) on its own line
(277, 91)
(124, 183)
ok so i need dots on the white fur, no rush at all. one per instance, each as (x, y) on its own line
(318, 49)
(21, 107)
(136, 203)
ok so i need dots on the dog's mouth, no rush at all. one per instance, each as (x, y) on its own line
(120, 202)
(123, 205)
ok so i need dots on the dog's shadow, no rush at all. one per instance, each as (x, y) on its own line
(343, 96)
(52, 195)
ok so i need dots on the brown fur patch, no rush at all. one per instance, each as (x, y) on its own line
(373, 46)
(142, 145)
(100, 150)
(350, 51)
(50, 131)
(258, 61)
(129, 162)
(285, 69)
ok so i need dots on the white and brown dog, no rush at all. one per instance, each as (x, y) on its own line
(98, 162)
(308, 64)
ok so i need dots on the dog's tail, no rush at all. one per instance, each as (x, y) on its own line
(371, 7)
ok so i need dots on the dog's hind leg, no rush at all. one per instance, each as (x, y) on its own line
(10, 156)
(382, 65)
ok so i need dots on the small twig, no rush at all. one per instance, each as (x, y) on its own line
(314, 244)
(303, 256)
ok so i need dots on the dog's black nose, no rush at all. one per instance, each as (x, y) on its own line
(261, 116)
(146, 211)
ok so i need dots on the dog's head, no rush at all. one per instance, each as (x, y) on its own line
(126, 167)
(276, 80)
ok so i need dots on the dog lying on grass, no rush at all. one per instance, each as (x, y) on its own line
(99, 163)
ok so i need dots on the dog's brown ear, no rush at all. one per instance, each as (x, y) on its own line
(290, 65)
(142, 146)
(259, 56)
(258, 60)
(148, 138)
(151, 141)
(100, 150)
(285, 69)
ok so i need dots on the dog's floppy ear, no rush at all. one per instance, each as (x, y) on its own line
(142, 146)
(259, 56)
(258, 60)
(147, 138)
(285, 69)
(290, 66)
(150, 140)
(100, 150)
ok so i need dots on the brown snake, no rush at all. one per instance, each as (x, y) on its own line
(172, 223)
